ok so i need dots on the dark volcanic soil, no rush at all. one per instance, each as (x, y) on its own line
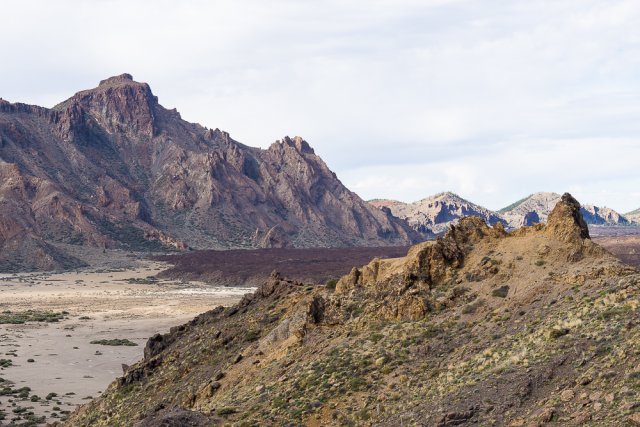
(623, 242)
(253, 267)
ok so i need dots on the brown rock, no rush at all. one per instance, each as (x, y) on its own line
(565, 221)
(634, 419)
(567, 395)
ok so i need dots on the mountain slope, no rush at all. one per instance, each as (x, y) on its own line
(112, 167)
(634, 216)
(481, 327)
(436, 213)
(536, 208)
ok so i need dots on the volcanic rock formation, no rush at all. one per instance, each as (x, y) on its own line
(480, 327)
(111, 167)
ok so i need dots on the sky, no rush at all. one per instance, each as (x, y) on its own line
(493, 100)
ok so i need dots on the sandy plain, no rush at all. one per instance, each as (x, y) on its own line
(102, 303)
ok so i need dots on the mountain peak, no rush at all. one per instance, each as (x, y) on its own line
(566, 221)
(119, 104)
(122, 78)
(296, 142)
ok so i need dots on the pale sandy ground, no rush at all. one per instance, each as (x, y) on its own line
(64, 360)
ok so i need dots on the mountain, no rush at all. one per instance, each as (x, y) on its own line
(436, 213)
(634, 216)
(480, 327)
(536, 208)
(111, 167)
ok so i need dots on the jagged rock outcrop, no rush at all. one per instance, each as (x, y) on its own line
(111, 167)
(480, 327)
(426, 266)
(566, 222)
(436, 213)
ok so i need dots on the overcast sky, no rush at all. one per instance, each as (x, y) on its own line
(490, 99)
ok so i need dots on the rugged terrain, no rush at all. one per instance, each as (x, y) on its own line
(480, 327)
(623, 242)
(434, 214)
(252, 267)
(110, 167)
(536, 208)
(634, 216)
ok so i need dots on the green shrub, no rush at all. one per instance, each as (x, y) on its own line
(114, 342)
(331, 284)
(226, 411)
(252, 335)
(500, 292)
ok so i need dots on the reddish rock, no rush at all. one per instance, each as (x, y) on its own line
(111, 167)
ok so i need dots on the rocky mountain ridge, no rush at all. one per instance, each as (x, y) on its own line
(436, 213)
(537, 206)
(480, 327)
(111, 167)
(634, 216)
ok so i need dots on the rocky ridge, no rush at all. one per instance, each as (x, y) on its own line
(480, 327)
(536, 208)
(436, 213)
(111, 167)
(634, 216)
(433, 215)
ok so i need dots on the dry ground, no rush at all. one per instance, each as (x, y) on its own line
(103, 303)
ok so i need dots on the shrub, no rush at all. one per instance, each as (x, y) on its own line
(114, 342)
(226, 411)
(331, 284)
(501, 292)
(557, 333)
(252, 335)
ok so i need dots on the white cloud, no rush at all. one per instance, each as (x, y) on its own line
(489, 99)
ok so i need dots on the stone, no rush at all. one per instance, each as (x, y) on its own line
(634, 419)
(567, 395)
(594, 396)
(565, 220)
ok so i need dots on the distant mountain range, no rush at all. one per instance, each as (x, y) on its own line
(436, 213)
(110, 167)
(634, 216)
(537, 206)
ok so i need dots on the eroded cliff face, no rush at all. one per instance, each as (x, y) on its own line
(112, 167)
(480, 327)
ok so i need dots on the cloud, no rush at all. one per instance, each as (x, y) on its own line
(455, 92)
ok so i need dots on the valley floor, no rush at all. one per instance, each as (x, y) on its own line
(98, 304)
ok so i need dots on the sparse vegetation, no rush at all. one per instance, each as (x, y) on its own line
(331, 284)
(500, 292)
(114, 342)
(16, 318)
